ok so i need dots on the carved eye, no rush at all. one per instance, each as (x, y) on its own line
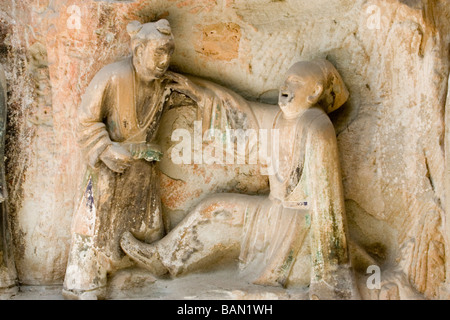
(295, 80)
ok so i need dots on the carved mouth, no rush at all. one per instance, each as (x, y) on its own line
(285, 98)
(159, 69)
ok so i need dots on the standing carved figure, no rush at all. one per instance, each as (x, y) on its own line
(117, 122)
(8, 277)
(306, 197)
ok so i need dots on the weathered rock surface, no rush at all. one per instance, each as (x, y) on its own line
(392, 54)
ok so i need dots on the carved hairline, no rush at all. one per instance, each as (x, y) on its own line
(153, 30)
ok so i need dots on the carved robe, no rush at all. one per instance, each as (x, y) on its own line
(306, 198)
(113, 203)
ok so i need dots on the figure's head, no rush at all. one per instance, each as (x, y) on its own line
(152, 44)
(310, 83)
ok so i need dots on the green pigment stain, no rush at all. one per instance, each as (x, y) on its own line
(217, 111)
(308, 220)
(112, 125)
(287, 264)
(319, 257)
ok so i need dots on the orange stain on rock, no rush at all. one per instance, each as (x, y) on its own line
(198, 5)
(174, 193)
(219, 41)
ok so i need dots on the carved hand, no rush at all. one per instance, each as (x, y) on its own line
(185, 86)
(147, 151)
(116, 158)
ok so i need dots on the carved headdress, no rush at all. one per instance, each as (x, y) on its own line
(141, 33)
(335, 93)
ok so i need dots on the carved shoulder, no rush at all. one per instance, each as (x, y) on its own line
(92, 101)
(321, 127)
(110, 72)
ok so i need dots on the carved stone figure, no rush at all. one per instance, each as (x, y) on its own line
(306, 197)
(8, 277)
(118, 119)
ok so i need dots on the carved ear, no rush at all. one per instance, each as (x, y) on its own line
(133, 28)
(137, 50)
(315, 97)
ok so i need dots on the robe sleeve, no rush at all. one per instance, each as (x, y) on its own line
(328, 229)
(221, 108)
(93, 137)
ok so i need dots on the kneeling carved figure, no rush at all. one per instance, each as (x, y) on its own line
(306, 200)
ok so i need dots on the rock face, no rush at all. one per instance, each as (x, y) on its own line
(392, 54)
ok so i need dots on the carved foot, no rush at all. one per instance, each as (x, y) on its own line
(323, 291)
(8, 293)
(96, 294)
(145, 255)
(342, 286)
(444, 292)
(8, 282)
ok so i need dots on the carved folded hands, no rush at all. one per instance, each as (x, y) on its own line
(119, 157)
(116, 158)
(146, 151)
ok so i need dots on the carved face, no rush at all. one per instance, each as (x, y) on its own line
(301, 90)
(151, 59)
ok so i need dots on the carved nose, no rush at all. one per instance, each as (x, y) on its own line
(164, 61)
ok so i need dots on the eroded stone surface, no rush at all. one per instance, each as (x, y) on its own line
(390, 133)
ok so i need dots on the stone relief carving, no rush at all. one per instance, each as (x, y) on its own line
(299, 229)
(306, 199)
(297, 232)
(392, 137)
(118, 119)
(8, 277)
